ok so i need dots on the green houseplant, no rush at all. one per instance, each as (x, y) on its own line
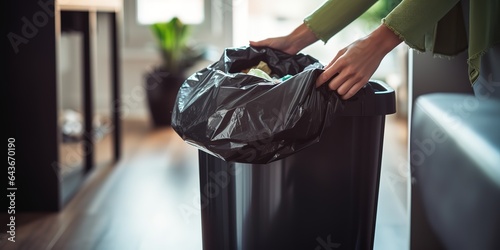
(163, 81)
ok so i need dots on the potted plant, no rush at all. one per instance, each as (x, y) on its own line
(164, 81)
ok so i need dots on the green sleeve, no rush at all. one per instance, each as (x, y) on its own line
(334, 15)
(414, 21)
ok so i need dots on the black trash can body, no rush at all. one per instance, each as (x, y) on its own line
(323, 197)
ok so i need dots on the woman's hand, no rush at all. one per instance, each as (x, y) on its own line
(292, 43)
(355, 64)
(282, 43)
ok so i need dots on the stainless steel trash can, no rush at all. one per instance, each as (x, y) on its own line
(323, 197)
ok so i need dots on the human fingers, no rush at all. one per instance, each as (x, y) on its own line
(330, 71)
(351, 77)
(353, 90)
(345, 86)
(278, 43)
(347, 81)
(354, 78)
(342, 73)
(355, 66)
(342, 82)
(261, 43)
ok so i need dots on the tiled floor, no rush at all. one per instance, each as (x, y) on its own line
(150, 200)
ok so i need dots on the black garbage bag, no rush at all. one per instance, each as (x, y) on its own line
(245, 118)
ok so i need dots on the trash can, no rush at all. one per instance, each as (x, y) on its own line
(322, 197)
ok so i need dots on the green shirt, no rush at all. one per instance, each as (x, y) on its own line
(425, 25)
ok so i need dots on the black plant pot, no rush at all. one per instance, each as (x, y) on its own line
(161, 91)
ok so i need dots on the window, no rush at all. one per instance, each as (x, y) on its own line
(207, 17)
(151, 11)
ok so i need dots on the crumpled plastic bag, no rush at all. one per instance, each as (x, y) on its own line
(244, 118)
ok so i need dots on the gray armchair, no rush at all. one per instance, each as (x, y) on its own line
(455, 163)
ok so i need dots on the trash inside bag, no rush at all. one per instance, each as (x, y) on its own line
(245, 118)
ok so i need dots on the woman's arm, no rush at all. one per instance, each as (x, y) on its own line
(411, 21)
(322, 24)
